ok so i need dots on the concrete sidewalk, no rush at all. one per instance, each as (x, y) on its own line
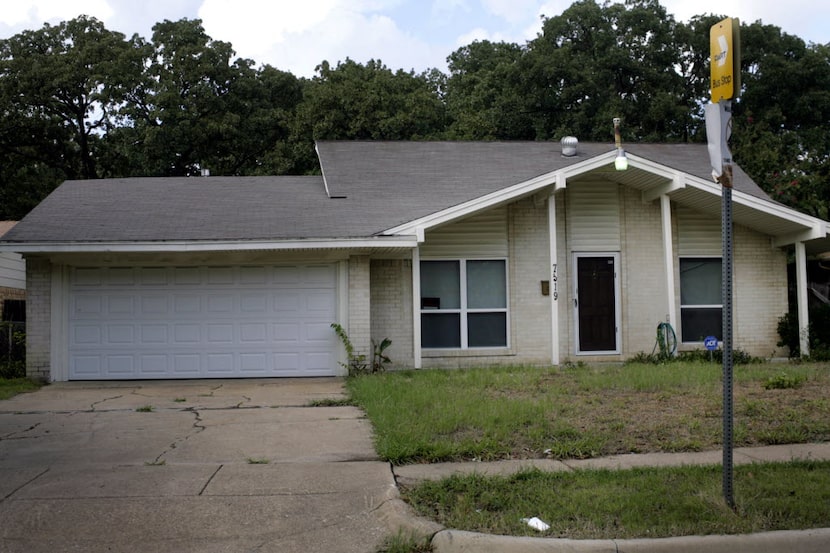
(411, 474)
(454, 541)
(189, 466)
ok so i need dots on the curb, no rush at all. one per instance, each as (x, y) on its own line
(791, 541)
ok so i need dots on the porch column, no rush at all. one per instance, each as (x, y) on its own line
(801, 298)
(668, 260)
(416, 307)
(554, 284)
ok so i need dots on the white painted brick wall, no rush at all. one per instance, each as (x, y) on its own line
(38, 318)
(391, 303)
(529, 309)
(760, 293)
(644, 297)
(359, 329)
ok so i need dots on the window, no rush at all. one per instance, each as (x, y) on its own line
(700, 298)
(464, 304)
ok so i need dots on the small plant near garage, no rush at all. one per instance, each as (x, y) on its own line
(145, 409)
(357, 363)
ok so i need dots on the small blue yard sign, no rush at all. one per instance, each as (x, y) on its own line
(711, 343)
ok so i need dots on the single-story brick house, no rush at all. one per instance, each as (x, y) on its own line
(462, 253)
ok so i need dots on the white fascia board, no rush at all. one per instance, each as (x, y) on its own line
(813, 225)
(404, 242)
(650, 166)
(554, 178)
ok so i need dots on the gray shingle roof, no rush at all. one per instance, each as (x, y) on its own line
(214, 208)
(382, 185)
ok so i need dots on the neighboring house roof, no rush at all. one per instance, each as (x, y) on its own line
(376, 191)
(6, 226)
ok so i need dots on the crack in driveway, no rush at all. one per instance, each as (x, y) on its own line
(197, 425)
(94, 404)
(14, 435)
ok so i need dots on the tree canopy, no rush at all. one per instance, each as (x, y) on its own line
(80, 101)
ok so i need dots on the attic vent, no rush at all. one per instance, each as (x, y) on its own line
(569, 144)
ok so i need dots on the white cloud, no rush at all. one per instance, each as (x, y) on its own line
(296, 37)
(33, 13)
(512, 11)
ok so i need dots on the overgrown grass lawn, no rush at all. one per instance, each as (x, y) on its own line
(581, 412)
(12, 386)
(632, 503)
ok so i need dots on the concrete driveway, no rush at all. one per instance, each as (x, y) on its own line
(207, 466)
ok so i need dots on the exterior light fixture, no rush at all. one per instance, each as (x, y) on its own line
(621, 162)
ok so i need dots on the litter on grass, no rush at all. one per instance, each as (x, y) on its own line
(536, 523)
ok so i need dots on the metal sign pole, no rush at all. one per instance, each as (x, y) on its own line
(725, 66)
(728, 413)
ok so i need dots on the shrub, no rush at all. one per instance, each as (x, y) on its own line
(783, 381)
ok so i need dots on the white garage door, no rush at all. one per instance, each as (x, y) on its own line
(202, 322)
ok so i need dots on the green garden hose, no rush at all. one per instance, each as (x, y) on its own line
(666, 341)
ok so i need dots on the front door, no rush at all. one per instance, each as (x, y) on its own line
(595, 301)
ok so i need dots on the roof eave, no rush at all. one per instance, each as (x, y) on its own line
(384, 242)
(557, 179)
(804, 227)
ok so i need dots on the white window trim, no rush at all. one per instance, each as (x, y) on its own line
(694, 306)
(463, 311)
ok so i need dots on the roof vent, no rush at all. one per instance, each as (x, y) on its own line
(569, 144)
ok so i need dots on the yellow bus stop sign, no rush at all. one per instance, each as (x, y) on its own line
(724, 45)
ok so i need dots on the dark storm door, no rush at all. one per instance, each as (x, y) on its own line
(595, 300)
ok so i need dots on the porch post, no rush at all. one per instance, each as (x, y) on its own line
(416, 307)
(668, 260)
(554, 284)
(801, 297)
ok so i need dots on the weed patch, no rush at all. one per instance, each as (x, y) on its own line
(587, 411)
(638, 503)
(10, 387)
(257, 461)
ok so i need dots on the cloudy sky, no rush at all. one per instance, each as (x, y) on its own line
(296, 35)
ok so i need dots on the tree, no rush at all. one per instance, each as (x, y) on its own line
(781, 119)
(190, 110)
(364, 102)
(484, 93)
(60, 87)
(593, 63)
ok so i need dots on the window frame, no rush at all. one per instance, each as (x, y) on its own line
(712, 306)
(463, 310)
